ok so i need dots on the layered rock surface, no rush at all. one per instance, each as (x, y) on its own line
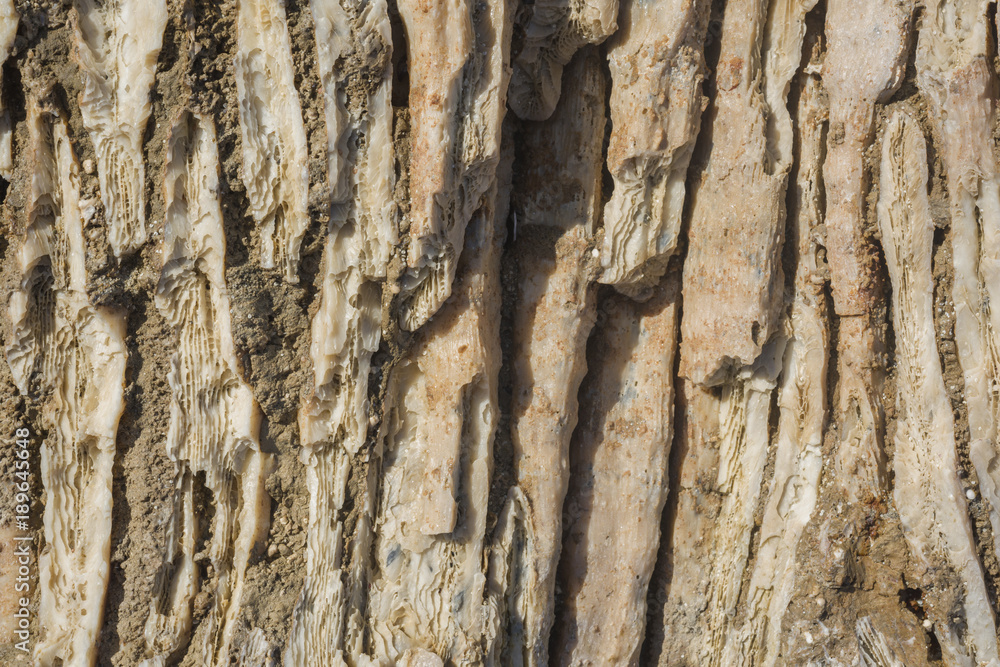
(356, 332)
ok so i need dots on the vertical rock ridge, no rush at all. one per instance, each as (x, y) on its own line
(867, 49)
(428, 589)
(618, 459)
(116, 46)
(556, 215)
(732, 310)
(72, 353)
(928, 493)
(275, 157)
(954, 75)
(459, 70)
(657, 66)
(802, 405)
(354, 44)
(214, 418)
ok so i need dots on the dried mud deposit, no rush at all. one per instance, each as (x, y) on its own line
(440, 332)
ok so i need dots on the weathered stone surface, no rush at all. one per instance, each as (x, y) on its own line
(325, 358)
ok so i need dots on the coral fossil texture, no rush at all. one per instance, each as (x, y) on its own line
(441, 332)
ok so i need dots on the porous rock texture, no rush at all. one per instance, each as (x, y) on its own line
(440, 332)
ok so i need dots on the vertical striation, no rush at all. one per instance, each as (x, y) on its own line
(117, 45)
(928, 494)
(619, 459)
(275, 156)
(556, 211)
(72, 354)
(214, 418)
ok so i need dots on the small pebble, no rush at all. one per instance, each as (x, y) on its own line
(272, 551)
(88, 166)
(970, 494)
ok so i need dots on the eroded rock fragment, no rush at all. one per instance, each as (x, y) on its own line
(214, 417)
(657, 67)
(275, 156)
(117, 45)
(556, 30)
(732, 273)
(73, 354)
(458, 65)
(928, 494)
(619, 460)
(863, 66)
(556, 211)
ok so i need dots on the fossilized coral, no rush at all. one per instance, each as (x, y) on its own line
(74, 353)
(458, 91)
(214, 417)
(275, 156)
(117, 45)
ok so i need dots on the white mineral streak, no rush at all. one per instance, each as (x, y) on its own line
(555, 31)
(657, 67)
(864, 64)
(275, 157)
(928, 494)
(732, 304)
(801, 404)
(953, 71)
(73, 353)
(214, 418)
(333, 420)
(459, 70)
(619, 460)
(557, 209)
(428, 596)
(117, 46)
(8, 31)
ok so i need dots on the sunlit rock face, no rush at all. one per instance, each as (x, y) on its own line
(611, 332)
(73, 354)
(117, 45)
